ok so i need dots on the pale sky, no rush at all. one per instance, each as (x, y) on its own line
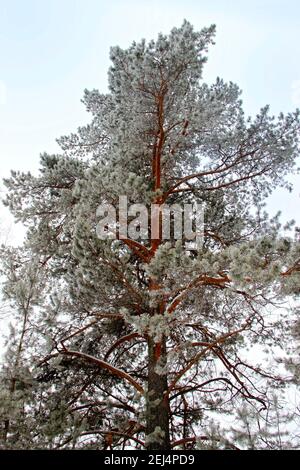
(50, 50)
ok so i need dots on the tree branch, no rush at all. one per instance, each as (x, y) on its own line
(104, 365)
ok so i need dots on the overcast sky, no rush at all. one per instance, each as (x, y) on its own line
(50, 50)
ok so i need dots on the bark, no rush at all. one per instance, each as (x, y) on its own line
(157, 412)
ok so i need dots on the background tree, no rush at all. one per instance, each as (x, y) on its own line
(21, 289)
(142, 342)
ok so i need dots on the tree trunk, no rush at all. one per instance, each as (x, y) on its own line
(157, 412)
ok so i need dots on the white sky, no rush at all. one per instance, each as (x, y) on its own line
(51, 50)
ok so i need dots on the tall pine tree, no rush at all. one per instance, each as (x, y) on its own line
(144, 343)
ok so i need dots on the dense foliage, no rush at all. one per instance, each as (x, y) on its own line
(133, 343)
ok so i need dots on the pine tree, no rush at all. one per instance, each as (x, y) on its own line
(142, 342)
(21, 291)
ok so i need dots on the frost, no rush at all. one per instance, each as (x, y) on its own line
(159, 134)
(156, 436)
(156, 326)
